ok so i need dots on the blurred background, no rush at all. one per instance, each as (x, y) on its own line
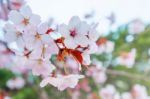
(122, 62)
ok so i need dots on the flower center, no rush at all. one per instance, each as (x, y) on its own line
(40, 61)
(25, 21)
(37, 36)
(18, 34)
(73, 33)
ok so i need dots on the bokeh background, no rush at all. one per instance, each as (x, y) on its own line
(123, 59)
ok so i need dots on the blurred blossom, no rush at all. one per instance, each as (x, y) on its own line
(97, 72)
(139, 92)
(126, 95)
(7, 5)
(75, 94)
(6, 55)
(109, 92)
(84, 85)
(136, 27)
(16, 83)
(105, 46)
(7, 97)
(127, 58)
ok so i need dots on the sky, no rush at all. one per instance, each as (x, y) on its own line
(63, 10)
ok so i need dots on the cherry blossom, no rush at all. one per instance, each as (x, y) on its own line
(126, 95)
(74, 34)
(139, 92)
(7, 6)
(127, 59)
(42, 67)
(36, 46)
(24, 18)
(105, 46)
(109, 92)
(77, 33)
(17, 4)
(13, 34)
(136, 27)
(97, 72)
(62, 82)
(16, 83)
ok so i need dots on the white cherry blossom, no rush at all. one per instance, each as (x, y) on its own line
(24, 17)
(42, 67)
(75, 33)
(62, 82)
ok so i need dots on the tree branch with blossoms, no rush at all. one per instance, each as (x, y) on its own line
(36, 45)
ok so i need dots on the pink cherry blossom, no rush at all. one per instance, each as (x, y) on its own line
(97, 73)
(136, 27)
(16, 83)
(139, 92)
(42, 67)
(105, 47)
(62, 82)
(109, 92)
(127, 59)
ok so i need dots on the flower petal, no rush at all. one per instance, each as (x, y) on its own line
(69, 43)
(74, 21)
(63, 30)
(26, 11)
(82, 40)
(35, 20)
(15, 17)
(42, 28)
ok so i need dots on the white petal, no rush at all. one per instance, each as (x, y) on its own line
(74, 21)
(30, 30)
(92, 48)
(20, 43)
(42, 28)
(69, 43)
(10, 37)
(63, 30)
(26, 11)
(15, 17)
(93, 34)
(50, 50)
(36, 53)
(50, 80)
(82, 40)
(9, 27)
(35, 19)
(46, 39)
(44, 82)
(83, 29)
(86, 59)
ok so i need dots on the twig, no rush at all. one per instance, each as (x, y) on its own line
(127, 74)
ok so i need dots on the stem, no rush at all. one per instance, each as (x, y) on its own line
(127, 74)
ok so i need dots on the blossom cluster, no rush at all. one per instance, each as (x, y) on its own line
(109, 92)
(38, 44)
(8, 5)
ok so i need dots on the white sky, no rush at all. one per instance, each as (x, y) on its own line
(62, 10)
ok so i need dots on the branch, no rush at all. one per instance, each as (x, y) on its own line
(127, 74)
